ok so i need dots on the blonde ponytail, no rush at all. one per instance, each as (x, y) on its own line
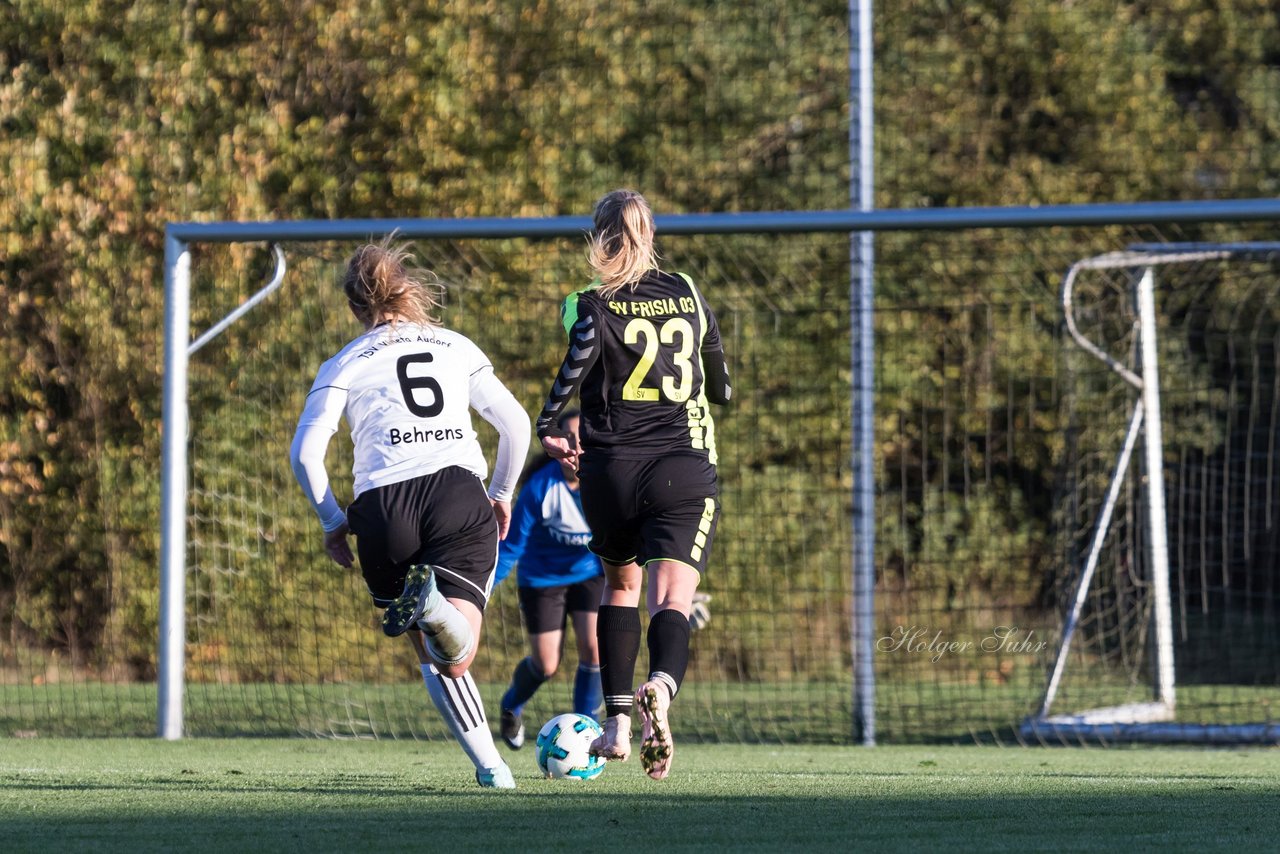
(622, 249)
(381, 285)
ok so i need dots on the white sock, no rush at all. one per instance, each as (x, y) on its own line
(665, 679)
(433, 604)
(448, 624)
(459, 703)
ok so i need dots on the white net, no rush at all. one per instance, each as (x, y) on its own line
(280, 640)
(1218, 334)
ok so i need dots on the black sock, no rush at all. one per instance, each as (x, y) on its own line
(618, 634)
(524, 684)
(669, 648)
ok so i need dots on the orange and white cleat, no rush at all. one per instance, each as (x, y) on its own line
(656, 744)
(615, 743)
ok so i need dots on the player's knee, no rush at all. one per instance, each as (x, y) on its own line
(624, 585)
(454, 671)
(623, 577)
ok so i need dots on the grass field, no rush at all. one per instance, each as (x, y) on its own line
(930, 712)
(315, 795)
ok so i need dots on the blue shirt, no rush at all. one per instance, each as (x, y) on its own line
(548, 535)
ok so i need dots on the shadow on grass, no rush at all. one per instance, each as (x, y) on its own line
(367, 812)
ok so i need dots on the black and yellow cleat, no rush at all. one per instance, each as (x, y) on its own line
(419, 596)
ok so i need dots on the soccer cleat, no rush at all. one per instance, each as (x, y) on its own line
(615, 743)
(512, 728)
(420, 596)
(656, 745)
(495, 778)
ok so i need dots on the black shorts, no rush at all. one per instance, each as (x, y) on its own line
(444, 519)
(647, 510)
(544, 608)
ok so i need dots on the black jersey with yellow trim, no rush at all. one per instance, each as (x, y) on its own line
(645, 361)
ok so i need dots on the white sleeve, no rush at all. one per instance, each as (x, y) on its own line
(499, 407)
(319, 421)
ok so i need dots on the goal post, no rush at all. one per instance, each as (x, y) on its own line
(1157, 719)
(171, 654)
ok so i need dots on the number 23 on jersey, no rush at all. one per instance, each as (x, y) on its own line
(676, 334)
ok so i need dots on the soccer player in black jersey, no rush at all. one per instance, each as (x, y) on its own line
(645, 359)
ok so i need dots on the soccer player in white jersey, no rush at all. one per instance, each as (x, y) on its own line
(426, 530)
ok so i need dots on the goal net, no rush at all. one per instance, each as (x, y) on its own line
(278, 640)
(1171, 615)
(1004, 610)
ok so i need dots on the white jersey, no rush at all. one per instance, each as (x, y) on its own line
(406, 393)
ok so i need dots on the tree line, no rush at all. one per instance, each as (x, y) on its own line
(116, 118)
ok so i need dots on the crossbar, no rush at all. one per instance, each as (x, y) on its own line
(772, 222)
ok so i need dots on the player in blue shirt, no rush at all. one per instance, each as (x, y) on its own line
(556, 573)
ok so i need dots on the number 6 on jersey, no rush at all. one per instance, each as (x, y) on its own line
(410, 385)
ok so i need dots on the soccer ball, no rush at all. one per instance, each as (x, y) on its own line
(562, 748)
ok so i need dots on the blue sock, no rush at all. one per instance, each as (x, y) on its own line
(525, 682)
(588, 695)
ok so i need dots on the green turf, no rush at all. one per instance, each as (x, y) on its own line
(708, 712)
(313, 795)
